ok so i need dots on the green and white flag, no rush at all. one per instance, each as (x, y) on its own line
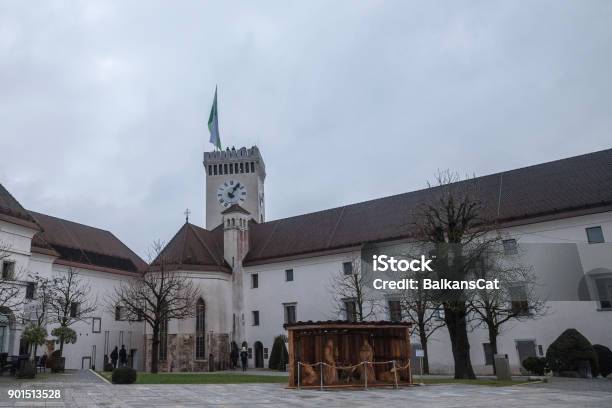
(213, 124)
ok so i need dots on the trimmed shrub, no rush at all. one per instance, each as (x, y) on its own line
(535, 365)
(28, 370)
(124, 375)
(604, 355)
(108, 367)
(279, 355)
(570, 352)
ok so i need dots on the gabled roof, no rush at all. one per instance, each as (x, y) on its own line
(194, 248)
(12, 211)
(577, 185)
(85, 245)
(235, 208)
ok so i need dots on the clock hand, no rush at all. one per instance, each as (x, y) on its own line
(235, 187)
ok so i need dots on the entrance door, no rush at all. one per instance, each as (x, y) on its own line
(259, 360)
(525, 348)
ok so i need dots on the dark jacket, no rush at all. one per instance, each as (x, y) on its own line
(114, 354)
(244, 355)
(123, 355)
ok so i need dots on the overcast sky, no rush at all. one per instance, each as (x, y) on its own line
(103, 105)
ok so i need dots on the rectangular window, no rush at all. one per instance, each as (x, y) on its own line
(241, 167)
(255, 317)
(604, 293)
(231, 169)
(347, 268)
(488, 353)
(74, 309)
(8, 270)
(350, 308)
(30, 289)
(395, 311)
(595, 235)
(290, 312)
(266, 354)
(96, 325)
(225, 171)
(118, 313)
(250, 352)
(510, 247)
(210, 170)
(215, 169)
(252, 167)
(519, 301)
(236, 168)
(289, 275)
(439, 313)
(254, 281)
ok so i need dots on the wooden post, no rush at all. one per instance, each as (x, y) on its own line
(395, 373)
(291, 352)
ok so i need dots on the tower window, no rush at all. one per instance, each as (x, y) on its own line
(242, 167)
(215, 169)
(231, 169)
(225, 169)
(252, 167)
(246, 167)
(236, 168)
(210, 170)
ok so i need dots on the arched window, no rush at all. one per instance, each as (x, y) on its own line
(200, 338)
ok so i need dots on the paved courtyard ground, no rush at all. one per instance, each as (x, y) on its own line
(84, 389)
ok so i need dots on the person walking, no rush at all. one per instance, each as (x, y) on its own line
(114, 357)
(122, 356)
(234, 355)
(244, 355)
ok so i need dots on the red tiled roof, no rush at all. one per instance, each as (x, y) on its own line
(12, 211)
(194, 248)
(530, 194)
(85, 245)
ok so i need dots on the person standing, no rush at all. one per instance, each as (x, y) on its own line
(114, 357)
(122, 356)
(244, 356)
(234, 355)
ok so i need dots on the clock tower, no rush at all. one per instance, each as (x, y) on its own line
(234, 177)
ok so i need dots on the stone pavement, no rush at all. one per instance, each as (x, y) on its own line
(92, 392)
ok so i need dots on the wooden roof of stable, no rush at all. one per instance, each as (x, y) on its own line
(343, 324)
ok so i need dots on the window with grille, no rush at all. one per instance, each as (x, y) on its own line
(510, 246)
(254, 281)
(290, 312)
(289, 275)
(8, 270)
(350, 308)
(163, 340)
(347, 267)
(30, 289)
(395, 311)
(519, 300)
(200, 330)
(74, 309)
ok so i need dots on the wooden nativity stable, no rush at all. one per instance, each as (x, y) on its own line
(349, 354)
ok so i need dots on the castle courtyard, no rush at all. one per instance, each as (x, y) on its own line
(85, 389)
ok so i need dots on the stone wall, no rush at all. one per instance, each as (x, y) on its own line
(181, 353)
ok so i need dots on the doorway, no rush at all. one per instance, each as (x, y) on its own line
(259, 360)
(525, 348)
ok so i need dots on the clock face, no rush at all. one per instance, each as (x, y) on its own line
(231, 192)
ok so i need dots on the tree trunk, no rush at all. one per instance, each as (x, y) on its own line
(61, 349)
(493, 342)
(155, 352)
(423, 338)
(455, 318)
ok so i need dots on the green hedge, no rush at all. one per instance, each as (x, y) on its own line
(535, 365)
(124, 375)
(279, 355)
(567, 352)
(604, 355)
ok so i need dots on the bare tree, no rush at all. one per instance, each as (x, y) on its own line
(349, 289)
(517, 298)
(454, 226)
(156, 297)
(36, 311)
(70, 302)
(422, 307)
(10, 285)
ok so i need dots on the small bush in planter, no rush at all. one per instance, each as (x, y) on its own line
(124, 375)
(28, 370)
(604, 355)
(279, 355)
(535, 365)
(570, 354)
